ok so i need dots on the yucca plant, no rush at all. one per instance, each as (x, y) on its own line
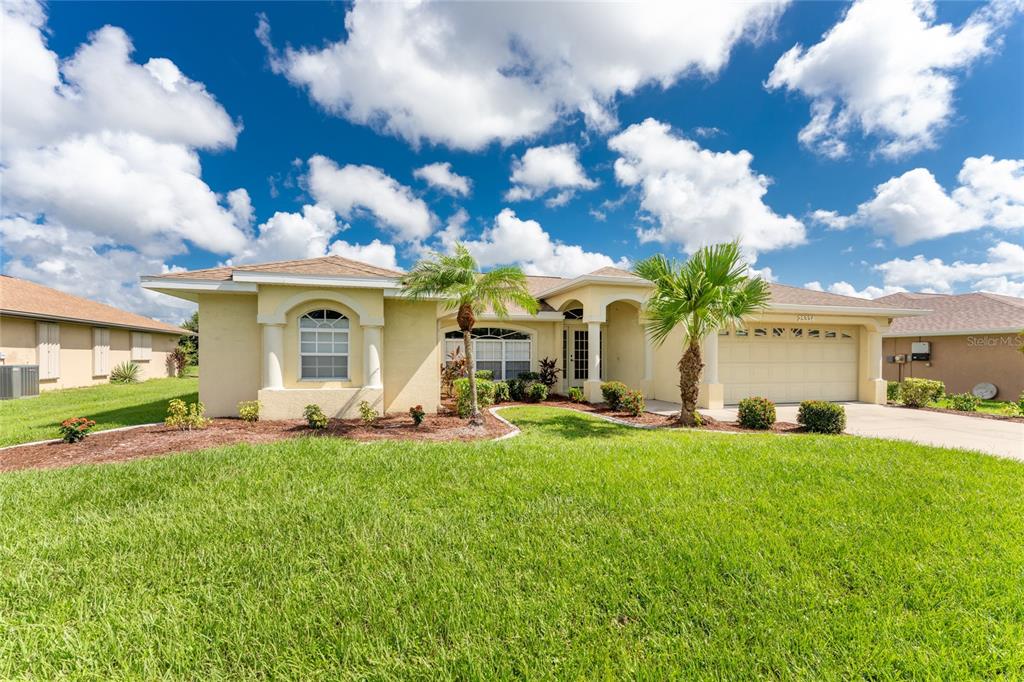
(125, 373)
(457, 279)
(709, 291)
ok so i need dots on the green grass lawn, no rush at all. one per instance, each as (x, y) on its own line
(111, 405)
(580, 549)
(989, 406)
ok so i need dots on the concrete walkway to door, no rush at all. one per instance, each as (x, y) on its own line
(992, 436)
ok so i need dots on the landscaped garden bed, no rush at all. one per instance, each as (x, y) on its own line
(149, 441)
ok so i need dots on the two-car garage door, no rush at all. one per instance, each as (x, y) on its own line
(789, 363)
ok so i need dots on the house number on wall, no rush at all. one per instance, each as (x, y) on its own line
(805, 318)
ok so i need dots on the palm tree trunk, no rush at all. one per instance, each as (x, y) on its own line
(466, 320)
(690, 367)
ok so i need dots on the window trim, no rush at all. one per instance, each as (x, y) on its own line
(347, 355)
(456, 335)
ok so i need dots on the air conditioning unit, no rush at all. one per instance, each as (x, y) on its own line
(18, 381)
(920, 350)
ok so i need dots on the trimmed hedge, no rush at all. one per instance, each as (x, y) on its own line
(576, 395)
(537, 392)
(964, 402)
(756, 413)
(633, 403)
(614, 392)
(818, 416)
(920, 392)
(484, 395)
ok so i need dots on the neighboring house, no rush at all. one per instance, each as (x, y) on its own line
(973, 339)
(333, 331)
(75, 341)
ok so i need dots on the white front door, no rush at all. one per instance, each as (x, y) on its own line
(575, 354)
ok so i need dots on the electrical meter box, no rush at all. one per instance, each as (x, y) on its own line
(920, 350)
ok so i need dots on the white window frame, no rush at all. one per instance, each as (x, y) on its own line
(48, 349)
(100, 352)
(345, 331)
(452, 343)
(142, 346)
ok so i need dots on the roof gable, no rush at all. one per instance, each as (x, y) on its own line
(963, 313)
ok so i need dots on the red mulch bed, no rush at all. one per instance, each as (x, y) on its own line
(150, 441)
(651, 420)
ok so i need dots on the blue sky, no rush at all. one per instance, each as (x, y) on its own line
(89, 203)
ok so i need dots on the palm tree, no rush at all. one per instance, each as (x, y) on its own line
(709, 291)
(457, 279)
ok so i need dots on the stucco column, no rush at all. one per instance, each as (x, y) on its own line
(592, 386)
(712, 392)
(648, 358)
(373, 373)
(273, 356)
(872, 386)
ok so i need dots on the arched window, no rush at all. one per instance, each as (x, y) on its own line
(506, 352)
(323, 346)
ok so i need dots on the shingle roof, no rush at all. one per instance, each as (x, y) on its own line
(21, 297)
(957, 313)
(783, 293)
(336, 266)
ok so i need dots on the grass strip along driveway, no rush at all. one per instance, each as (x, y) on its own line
(110, 405)
(579, 549)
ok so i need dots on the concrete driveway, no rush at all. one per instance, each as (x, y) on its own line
(995, 437)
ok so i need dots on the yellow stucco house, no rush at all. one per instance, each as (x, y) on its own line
(333, 331)
(75, 341)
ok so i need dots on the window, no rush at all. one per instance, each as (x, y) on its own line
(741, 332)
(100, 352)
(574, 314)
(48, 349)
(798, 332)
(505, 352)
(760, 331)
(778, 332)
(323, 346)
(142, 345)
(830, 334)
(813, 333)
(846, 335)
(723, 332)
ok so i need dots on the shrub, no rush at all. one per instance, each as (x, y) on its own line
(819, 416)
(614, 392)
(75, 429)
(315, 417)
(892, 391)
(529, 377)
(417, 414)
(537, 392)
(125, 373)
(185, 417)
(548, 372)
(1020, 404)
(484, 395)
(756, 413)
(920, 392)
(501, 392)
(633, 402)
(452, 369)
(964, 402)
(177, 361)
(249, 410)
(367, 414)
(576, 395)
(487, 374)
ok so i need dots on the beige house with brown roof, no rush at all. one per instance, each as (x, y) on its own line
(333, 331)
(75, 341)
(972, 339)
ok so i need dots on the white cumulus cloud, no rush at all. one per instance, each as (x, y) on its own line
(886, 70)
(844, 288)
(695, 196)
(1005, 260)
(468, 74)
(441, 176)
(914, 206)
(542, 169)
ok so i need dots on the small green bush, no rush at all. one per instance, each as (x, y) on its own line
(818, 416)
(633, 403)
(75, 429)
(367, 414)
(484, 395)
(185, 417)
(1019, 404)
(315, 417)
(920, 392)
(249, 410)
(614, 392)
(516, 389)
(964, 402)
(892, 391)
(576, 395)
(530, 377)
(501, 392)
(125, 373)
(537, 392)
(485, 374)
(418, 414)
(756, 413)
